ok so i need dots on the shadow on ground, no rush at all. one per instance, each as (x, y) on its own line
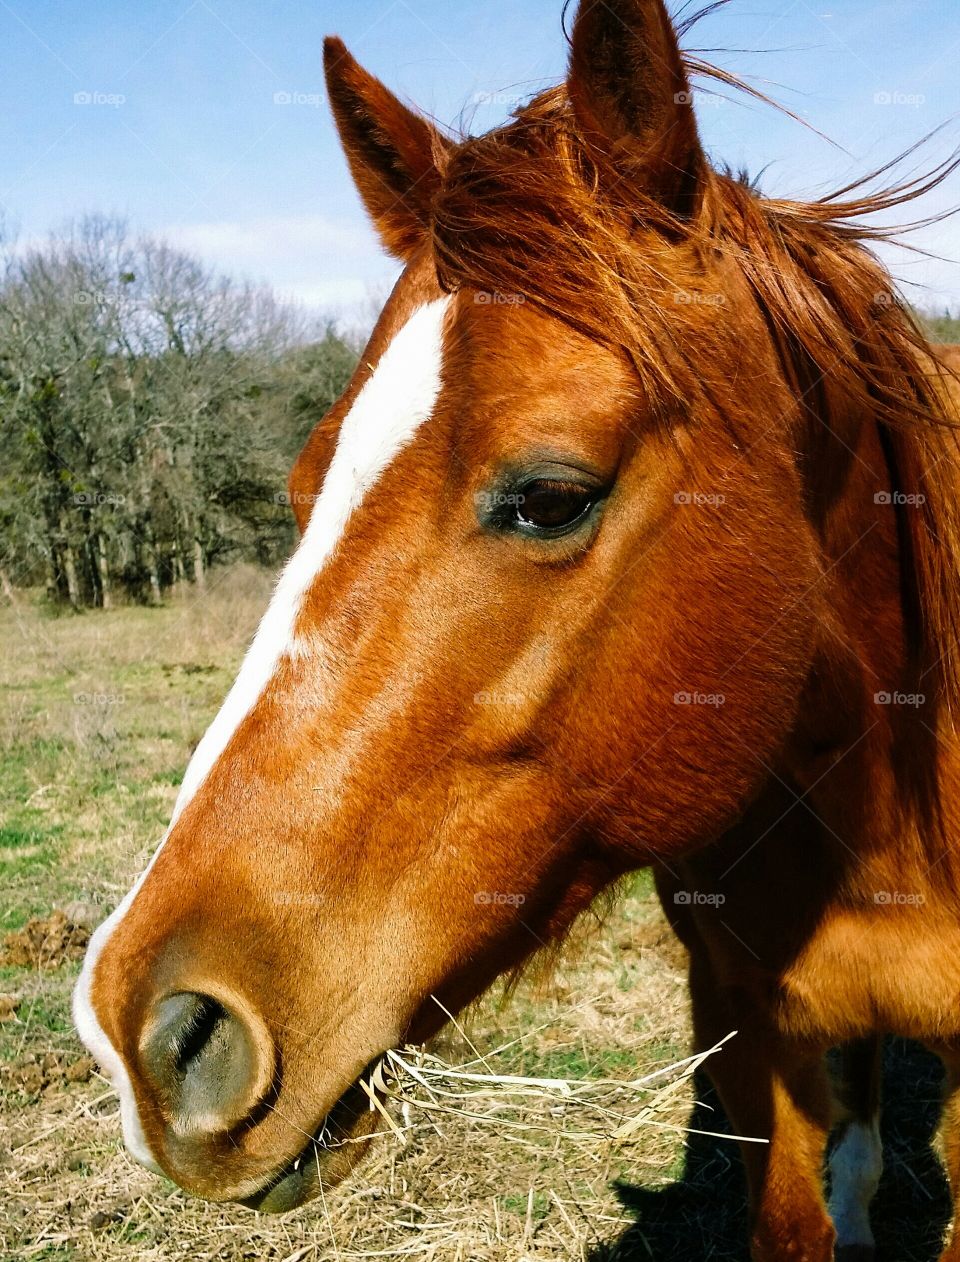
(702, 1218)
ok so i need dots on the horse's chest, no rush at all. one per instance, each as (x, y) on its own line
(889, 967)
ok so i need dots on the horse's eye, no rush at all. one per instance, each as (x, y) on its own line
(548, 505)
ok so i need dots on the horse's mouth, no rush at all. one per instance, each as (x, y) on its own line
(326, 1159)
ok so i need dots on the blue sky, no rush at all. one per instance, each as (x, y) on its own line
(172, 113)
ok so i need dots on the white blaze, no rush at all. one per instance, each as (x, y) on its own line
(393, 403)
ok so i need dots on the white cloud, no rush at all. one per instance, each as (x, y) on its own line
(320, 262)
(259, 243)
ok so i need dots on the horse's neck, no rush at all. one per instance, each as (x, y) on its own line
(864, 743)
(865, 627)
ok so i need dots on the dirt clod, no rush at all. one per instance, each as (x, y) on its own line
(8, 1007)
(45, 942)
(104, 1218)
(33, 1073)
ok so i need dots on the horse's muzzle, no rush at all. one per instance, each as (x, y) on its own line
(210, 1065)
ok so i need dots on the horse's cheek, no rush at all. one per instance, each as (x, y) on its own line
(711, 692)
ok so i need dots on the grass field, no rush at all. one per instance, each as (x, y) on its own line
(98, 716)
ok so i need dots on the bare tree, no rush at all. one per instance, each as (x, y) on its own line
(149, 409)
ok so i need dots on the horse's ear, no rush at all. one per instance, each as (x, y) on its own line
(632, 101)
(394, 154)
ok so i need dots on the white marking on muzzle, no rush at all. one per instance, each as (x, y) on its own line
(855, 1168)
(392, 404)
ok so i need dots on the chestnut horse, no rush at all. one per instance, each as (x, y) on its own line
(633, 541)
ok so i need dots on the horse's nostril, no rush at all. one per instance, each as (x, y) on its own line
(209, 1065)
(197, 1023)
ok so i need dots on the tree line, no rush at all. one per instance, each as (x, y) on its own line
(940, 326)
(150, 410)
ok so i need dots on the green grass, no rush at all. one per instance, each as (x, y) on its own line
(98, 714)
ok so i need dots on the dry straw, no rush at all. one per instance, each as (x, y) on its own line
(612, 1110)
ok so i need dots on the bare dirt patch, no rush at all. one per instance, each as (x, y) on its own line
(8, 1007)
(34, 1072)
(45, 942)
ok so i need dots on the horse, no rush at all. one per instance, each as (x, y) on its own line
(632, 542)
